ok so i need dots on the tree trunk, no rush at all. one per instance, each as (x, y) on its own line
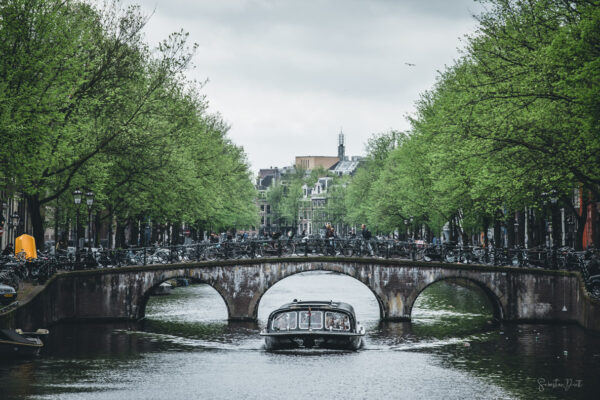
(56, 224)
(175, 231)
(37, 221)
(155, 234)
(539, 228)
(498, 242)
(556, 226)
(120, 241)
(510, 231)
(581, 221)
(521, 233)
(454, 236)
(110, 231)
(134, 224)
(580, 231)
(97, 227)
(531, 240)
(457, 229)
(486, 226)
(465, 238)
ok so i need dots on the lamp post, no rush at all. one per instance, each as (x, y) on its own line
(77, 200)
(147, 231)
(15, 219)
(89, 200)
(570, 231)
(2, 218)
(554, 227)
(555, 224)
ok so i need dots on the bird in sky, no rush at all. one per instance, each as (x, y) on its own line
(410, 64)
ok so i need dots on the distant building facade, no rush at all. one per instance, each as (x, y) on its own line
(312, 162)
(312, 212)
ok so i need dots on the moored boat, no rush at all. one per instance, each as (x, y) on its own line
(7, 294)
(308, 324)
(162, 289)
(16, 343)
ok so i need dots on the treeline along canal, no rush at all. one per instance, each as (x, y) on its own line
(185, 348)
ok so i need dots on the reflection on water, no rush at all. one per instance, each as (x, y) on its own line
(185, 348)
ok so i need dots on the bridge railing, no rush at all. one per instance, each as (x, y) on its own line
(13, 270)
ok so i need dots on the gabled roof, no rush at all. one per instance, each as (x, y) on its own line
(345, 167)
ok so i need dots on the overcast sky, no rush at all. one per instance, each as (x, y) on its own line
(287, 75)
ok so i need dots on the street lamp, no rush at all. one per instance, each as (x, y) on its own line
(571, 230)
(90, 202)
(15, 218)
(147, 232)
(77, 200)
(555, 219)
(553, 196)
(2, 218)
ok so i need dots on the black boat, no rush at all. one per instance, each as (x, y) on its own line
(15, 343)
(308, 324)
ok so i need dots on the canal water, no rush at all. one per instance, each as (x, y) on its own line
(185, 349)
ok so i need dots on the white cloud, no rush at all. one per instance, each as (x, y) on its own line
(287, 74)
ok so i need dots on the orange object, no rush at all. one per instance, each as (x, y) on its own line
(26, 243)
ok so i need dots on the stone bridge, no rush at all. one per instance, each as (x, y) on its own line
(517, 294)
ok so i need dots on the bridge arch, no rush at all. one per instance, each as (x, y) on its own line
(497, 307)
(321, 267)
(395, 287)
(145, 297)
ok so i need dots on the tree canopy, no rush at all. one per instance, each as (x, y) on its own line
(86, 102)
(513, 122)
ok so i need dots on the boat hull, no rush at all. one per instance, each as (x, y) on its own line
(10, 349)
(13, 344)
(322, 340)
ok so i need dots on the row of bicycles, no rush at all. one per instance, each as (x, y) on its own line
(15, 269)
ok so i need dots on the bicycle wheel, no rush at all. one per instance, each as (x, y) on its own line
(288, 250)
(347, 251)
(210, 254)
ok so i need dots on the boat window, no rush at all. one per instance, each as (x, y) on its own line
(335, 321)
(314, 317)
(284, 321)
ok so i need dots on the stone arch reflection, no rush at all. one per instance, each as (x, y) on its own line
(196, 301)
(450, 306)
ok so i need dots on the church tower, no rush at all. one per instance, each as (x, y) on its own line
(341, 149)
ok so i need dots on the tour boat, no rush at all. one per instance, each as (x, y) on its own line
(16, 343)
(308, 324)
